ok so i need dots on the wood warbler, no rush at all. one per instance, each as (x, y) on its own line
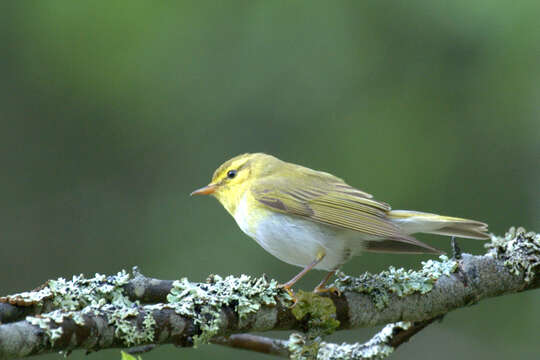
(313, 219)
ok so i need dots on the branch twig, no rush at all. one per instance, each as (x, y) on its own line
(260, 344)
(390, 338)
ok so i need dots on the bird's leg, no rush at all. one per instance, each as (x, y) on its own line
(287, 286)
(321, 288)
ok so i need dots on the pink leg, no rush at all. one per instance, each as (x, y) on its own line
(287, 286)
(322, 285)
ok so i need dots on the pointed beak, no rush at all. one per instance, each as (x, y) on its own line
(207, 190)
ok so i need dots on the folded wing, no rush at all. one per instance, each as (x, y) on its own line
(326, 199)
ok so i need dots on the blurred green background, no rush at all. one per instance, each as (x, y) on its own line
(113, 112)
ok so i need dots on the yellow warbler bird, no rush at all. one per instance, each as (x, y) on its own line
(313, 219)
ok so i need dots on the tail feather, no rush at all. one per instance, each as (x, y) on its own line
(464, 233)
(401, 246)
(419, 222)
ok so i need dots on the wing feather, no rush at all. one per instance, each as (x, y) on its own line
(330, 202)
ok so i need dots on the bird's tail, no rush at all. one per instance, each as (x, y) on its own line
(419, 222)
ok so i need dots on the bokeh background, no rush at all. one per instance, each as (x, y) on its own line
(113, 112)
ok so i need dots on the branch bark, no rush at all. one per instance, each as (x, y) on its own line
(126, 310)
(385, 341)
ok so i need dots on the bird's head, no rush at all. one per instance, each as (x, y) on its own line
(233, 178)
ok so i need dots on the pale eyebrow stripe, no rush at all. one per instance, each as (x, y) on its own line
(243, 165)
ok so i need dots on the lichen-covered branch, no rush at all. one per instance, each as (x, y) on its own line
(126, 310)
(380, 345)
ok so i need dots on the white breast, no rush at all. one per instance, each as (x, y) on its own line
(295, 240)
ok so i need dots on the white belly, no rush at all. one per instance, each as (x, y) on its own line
(298, 241)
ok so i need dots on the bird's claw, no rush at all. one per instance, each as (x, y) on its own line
(322, 289)
(288, 290)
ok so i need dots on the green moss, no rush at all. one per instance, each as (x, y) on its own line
(397, 281)
(319, 311)
(520, 251)
(320, 314)
(203, 302)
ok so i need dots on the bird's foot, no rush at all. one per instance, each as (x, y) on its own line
(322, 289)
(287, 288)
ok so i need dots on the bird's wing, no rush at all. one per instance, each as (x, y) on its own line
(329, 200)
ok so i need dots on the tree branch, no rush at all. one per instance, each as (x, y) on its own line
(383, 343)
(260, 344)
(128, 310)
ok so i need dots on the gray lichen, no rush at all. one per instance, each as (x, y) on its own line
(203, 302)
(49, 324)
(104, 296)
(378, 347)
(100, 295)
(397, 281)
(302, 347)
(520, 251)
(29, 298)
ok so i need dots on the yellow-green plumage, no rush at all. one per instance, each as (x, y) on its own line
(299, 214)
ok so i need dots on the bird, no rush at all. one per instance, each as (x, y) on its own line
(315, 220)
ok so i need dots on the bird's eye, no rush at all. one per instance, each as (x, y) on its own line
(231, 174)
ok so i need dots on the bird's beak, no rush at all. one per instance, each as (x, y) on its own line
(207, 190)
